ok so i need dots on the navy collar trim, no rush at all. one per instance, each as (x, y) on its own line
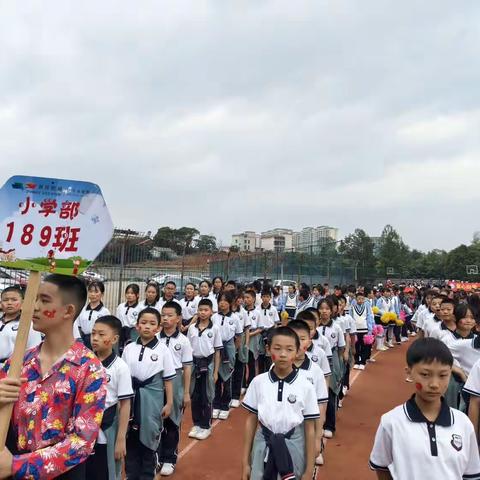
(414, 414)
(290, 378)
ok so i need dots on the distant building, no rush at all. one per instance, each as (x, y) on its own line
(312, 239)
(247, 241)
(476, 236)
(277, 240)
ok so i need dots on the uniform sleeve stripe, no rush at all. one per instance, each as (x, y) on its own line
(374, 466)
(322, 400)
(123, 397)
(471, 476)
(312, 416)
(471, 392)
(329, 374)
(219, 348)
(249, 408)
(188, 363)
(170, 377)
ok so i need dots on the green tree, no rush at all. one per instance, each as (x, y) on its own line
(358, 249)
(206, 243)
(393, 253)
(179, 240)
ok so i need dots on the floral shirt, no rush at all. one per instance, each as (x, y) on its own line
(57, 417)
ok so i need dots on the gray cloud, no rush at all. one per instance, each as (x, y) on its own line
(231, 116)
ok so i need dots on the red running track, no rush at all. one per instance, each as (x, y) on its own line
(374, 391)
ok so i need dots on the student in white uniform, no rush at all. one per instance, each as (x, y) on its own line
(290, 302)
(314, 375)
(152, 369)
(152, 296)
(433, 321)
(424, 438)
(111, 445)
(424, 312)
(384, 305)
(255, 334)
(189, 304)
(283, 405)
(90, 312)
(268, 319)
(204, 291)
(334, 334)
(305, 300)
(168, 295)
(127, 313)
(11, 303)
(181, 351)
(472, 388)
(361, 312)
(231, 331)
(206, 341)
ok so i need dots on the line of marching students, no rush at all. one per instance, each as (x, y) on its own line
(289, 355)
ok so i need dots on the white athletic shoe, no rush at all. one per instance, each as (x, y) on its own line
(398, 343)
(194, 432)
(340, 403)
(371, 360)
(361, 367)
(167, 469)
(215, 413)
(204, 433)
(356, 366)
(413, 334)
(344, 390)
(235, 403)
(404, 339)
(319, 460)
(390, 344)
(223, 415)
(328, 434)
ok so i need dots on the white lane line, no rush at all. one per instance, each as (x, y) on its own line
(194, 442)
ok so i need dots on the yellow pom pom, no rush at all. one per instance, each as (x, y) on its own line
(385, 318)
(375, 310)
(399, 322)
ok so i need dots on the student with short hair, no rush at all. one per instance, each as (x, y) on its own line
(424, 438)
(127, 313)
(75, 410)
(231, 331)
(90, 312)
(189, 304)
(305, 300)
(152, 369)
(168, 294)
(111, 448)
(314, 375)
(206, 341)
(181, 351)
(11, 300)
(433, 321)
(291, 301)
(268, 319)
(205, 292)
(423, 311)
(253, 317)
(362, 314)
(282, 404)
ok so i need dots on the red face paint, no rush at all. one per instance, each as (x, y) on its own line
(49, 313)
(418, 386)
(273, 357)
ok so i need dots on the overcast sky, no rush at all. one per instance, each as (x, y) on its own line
(229, 116)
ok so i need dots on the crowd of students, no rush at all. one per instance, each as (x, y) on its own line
(287, 358)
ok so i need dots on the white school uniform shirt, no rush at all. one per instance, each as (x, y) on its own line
(333, 333)
(189, 307)
(419, 311)
(465, 352)
(301, 306)
(322, 342)
(441, 332)
(244, 321)
(88, 316)
(258, 300)
(119, 385)
(145, 361)
(413, 448)
(340, 321)
(228, 325)
(162, 302)
(319, 357)
(268, 317)
(281, 404)
(431, 324)
(313, 373)
(210, 297)
(384, 305)
(144, 304)
(424, 318)
(128, 314)
(8, 335)
(204, 342)
(253, 317)
(179, 347)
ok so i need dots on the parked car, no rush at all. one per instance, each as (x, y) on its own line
(284, 284)
(9, 277)
(93, 276)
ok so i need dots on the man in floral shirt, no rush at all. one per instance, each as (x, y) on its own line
(60, 399)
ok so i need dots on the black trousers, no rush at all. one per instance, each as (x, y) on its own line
(252, 363)
(223, 394)
(361, 350)
(97, 463)
(168, 449)
(237, 378)
(331, 413)
(201, 407)
(140, 461)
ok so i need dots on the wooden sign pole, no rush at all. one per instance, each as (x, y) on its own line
(16, 360)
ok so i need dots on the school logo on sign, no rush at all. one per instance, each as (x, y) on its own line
(456, 442)
(292, 398)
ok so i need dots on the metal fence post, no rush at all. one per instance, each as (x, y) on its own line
(120, 277)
